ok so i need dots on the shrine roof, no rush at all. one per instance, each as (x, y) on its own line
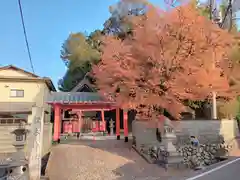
(76, 97)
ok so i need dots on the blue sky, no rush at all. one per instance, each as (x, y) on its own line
(48, 24)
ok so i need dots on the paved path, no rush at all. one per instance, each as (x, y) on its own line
(229, 170)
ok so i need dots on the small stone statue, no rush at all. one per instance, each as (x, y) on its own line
(194, 141)
(111, 126)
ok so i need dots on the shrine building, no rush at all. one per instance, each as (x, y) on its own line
(84, 108)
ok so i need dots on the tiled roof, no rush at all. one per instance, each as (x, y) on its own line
(85, 82)
(47, 80)
(18, 69)
(76, 97)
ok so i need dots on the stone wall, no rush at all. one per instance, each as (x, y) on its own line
(203, 155)
(227, 128)
(143, 134)
(215, 140)
(208, 129)
(7, 139)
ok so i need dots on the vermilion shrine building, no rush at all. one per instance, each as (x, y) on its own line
(80, 100)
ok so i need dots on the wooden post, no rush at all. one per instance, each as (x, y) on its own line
(57, 122)
(80, 121)
(125, 124)
(60, 124)
(118, 123)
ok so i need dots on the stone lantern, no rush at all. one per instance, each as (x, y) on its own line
(20, 137)
(168, 139)
(16, 166)
(111, 126)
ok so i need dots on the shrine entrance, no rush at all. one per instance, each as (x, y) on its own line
(78, 104)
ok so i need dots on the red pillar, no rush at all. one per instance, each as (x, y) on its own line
(57, 123)
(80, 121)
(103, 120)
(118, 123)
(125, 124)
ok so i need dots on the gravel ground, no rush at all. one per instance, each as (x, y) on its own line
(103, 160)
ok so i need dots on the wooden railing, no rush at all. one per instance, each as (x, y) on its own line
(11, 121)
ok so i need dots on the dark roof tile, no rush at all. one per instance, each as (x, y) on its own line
(76, 97)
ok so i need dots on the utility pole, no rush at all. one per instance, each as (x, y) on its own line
(227, 16)
(214, 95)
(230, 15)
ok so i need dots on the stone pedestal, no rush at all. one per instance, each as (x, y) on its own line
(168, 137)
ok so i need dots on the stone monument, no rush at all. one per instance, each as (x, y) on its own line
(111, 126)
(35, 142)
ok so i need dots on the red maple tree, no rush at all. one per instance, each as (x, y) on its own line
(171, 56)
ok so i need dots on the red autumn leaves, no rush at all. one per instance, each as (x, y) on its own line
(171, 56)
